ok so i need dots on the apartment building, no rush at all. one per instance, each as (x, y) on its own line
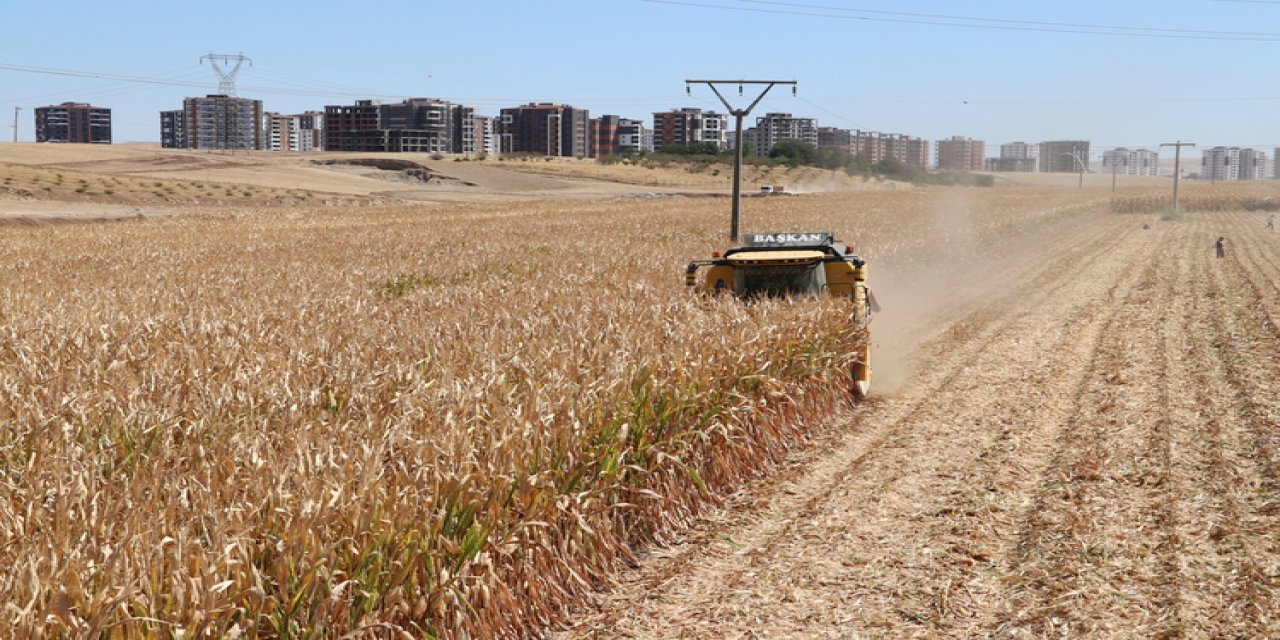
(773, 128)
(1016, 156)
(1220, 163)
(1019, 151)
(631, 136)
(545, 128)
(214, 122)
(486, 132)
(1233, 163)
(279, 132)
(1253, 164)
(614, 135)
(296, 132)
(836, 138)
(1064, 156)
(73, 122)
(961, 154)
(416, 125)
(354, 127)
(310, 131)
(1131, 162)
(908, 149)
(173, 129)
(689, 125)
(604, 136)
(427, 125)
(874, 146)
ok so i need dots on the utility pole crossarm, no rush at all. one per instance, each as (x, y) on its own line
(742, 82)
(738, 115)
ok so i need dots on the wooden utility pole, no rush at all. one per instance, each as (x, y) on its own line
(738, 114)
(1177, 166)
(1075, 153)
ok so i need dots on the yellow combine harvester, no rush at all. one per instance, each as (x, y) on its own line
(788, 264)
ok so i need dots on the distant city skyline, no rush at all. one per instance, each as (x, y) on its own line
(1130, 75)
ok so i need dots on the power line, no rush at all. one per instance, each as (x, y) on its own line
(110, 89)
(176, 83)
(738, 115)
(307, 83)
(317, 89)
(1036, 23)
(226, 72)
(1131, 32)
(979, 102)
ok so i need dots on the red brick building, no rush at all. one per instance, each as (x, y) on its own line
(73, 122)
(961, 154)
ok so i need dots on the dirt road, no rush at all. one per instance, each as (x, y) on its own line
(1091, 448)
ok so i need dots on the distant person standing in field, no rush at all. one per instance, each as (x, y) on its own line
(1271, 223)
(1221, 246)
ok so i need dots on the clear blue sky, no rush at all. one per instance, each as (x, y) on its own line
(917, 74)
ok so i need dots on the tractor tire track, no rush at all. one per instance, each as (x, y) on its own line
(1248, 354)
(874, 466)
(975, 334)
(1098, 538)
(1225, 557)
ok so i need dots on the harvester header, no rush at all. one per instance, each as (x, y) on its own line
(788, 264)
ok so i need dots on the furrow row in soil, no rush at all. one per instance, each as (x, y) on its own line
(1095, 555)
(1248, 353)
(1225, 556)
(922, 526)
(949, 358)
(900, 508)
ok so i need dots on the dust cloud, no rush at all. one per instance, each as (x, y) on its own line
(923, 292)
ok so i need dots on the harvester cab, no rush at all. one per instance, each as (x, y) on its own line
(793, 264)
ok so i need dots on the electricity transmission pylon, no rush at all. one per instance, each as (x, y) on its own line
(222, 66)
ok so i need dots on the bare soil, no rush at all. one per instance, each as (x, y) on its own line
(1087, 448)
(145, 174)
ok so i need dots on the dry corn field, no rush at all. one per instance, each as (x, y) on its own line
(511, 420)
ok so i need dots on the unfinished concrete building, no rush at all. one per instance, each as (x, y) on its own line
(545, 128)
(416, 125)
(214, 122)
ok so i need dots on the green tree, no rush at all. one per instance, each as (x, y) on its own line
(690, 149)
(794, 152)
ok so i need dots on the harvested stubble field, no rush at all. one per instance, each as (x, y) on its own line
(463, 421)
(1093, 453)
